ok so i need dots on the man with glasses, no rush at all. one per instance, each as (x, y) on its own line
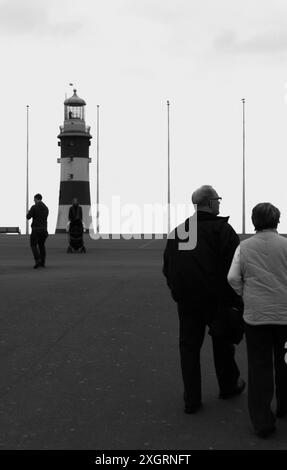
(197, 279)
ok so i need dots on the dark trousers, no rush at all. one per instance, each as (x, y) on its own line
(266, 359)
(37, 242)
(192, 327)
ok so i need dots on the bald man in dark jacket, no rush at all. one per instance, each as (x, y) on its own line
(197, 278)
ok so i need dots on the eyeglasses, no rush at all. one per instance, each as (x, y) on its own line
(215, 198)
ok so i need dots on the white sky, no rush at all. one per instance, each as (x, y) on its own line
(130, 56)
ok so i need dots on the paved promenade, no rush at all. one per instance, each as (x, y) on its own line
(89, 356)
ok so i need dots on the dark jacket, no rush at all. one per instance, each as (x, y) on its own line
(75, 213)
(200, 275)
(39, 212)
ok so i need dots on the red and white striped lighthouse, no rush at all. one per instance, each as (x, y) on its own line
(74, 142)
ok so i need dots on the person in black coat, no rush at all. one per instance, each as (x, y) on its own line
(39, 213)
(197, 258)
(75, 212)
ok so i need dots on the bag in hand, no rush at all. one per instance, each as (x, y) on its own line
(228, 324)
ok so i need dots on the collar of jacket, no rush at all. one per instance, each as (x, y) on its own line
(202, 215)
(267, 230)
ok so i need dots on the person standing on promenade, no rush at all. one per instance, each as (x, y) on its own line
(197, 279)
(259, 273)
(39, 213)
(75, 211)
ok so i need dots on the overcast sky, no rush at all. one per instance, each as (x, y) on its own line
(130, 56)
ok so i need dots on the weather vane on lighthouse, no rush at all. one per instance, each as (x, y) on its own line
(74, 142)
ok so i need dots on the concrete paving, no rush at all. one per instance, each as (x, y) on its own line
(89, 356)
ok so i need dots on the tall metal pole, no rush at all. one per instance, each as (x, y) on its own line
(243, 166)
(168, 169)
(98, 168)
(27, 172)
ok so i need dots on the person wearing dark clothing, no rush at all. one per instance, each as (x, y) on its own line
(39, 213)
(197, 279)
(75, 212)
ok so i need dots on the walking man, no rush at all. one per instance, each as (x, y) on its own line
(39, 213)
(197, 279)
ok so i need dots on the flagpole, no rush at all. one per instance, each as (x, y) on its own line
(98, 169)
(168, 169)
(27, 172)
(243, 165)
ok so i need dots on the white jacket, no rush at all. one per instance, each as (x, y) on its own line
(258, 272)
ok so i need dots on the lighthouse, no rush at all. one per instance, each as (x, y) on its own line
(74, 140)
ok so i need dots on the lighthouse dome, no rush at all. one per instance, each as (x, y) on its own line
(74, 100)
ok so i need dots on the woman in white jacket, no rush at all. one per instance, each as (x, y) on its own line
(259, 273)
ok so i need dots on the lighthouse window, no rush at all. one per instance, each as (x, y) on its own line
(70, 176)
(75, 112)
